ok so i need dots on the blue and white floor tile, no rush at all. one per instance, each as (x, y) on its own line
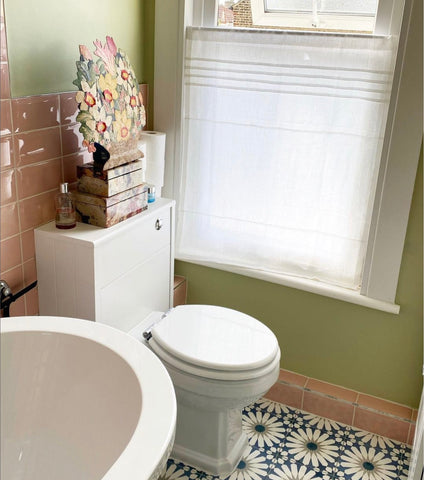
(289, 444)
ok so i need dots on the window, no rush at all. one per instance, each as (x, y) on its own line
(214, 95)
(349, 15)
(362, 16)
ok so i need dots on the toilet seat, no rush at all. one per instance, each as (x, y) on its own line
(215, 342)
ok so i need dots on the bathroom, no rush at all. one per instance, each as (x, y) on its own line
(331, 349)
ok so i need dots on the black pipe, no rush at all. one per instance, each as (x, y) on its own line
(7, 297)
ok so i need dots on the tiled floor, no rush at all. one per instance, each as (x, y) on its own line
(289, 444)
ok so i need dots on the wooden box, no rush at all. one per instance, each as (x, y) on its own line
(108, 183)
(107, 211)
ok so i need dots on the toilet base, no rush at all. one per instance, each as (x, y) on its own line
(212, 441)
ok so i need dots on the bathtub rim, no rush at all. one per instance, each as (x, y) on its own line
(149, 449)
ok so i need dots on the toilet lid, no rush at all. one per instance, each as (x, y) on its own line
(215, 338)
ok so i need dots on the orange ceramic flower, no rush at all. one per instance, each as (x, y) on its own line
(133, 101)
(90, 146)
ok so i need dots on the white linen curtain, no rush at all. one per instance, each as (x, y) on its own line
(282, 134)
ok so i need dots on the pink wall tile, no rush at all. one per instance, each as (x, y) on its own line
(328, 407)
(32, 113)
(37, 146)
(39, 178)
(10, 253)
(330, 389)
(9, 221)
(180, 293)
(30, 271)
(6, 152)
(385, 406)
(31, 300)
(70, 163)
(68, 108)
(28, 245)
(411, 434)
(287, 394)
(292, 378)
(4, 81)
(7, 186)
(414, 415)
(17, 309)
(14, 278)
(3, 43)
(37, 210)
(72, 139)
(5, 118)
(381, 424)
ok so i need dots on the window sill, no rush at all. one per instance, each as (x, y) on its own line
(307, 285)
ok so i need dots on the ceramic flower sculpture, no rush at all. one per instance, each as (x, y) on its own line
(111, 110)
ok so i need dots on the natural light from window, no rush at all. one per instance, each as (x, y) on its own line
(325, 15)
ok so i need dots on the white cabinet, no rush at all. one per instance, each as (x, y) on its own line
(113, 275)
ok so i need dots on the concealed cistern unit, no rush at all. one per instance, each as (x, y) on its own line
(219, 360)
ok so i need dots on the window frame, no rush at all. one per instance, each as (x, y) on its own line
(263, 17)
(400, 155)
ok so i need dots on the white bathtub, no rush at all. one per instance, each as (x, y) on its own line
(81, 401)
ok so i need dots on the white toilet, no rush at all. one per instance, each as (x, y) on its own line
(220, 360)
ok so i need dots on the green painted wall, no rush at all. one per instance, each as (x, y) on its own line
(43, 38)
(338, 342)
(149, 55)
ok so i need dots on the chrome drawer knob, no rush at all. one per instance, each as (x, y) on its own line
(158, 224)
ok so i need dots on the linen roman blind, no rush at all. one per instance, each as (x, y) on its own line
(283, 134)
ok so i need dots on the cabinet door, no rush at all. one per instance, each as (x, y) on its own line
(131, 297)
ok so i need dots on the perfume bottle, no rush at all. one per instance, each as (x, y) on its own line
(65, 209)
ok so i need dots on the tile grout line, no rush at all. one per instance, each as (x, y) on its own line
(15, 153)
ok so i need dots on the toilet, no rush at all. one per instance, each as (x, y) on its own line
(220, 360)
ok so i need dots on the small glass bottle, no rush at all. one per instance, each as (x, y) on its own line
(151, 193)
(65, 209)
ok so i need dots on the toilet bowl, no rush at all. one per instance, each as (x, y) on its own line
(220, 361)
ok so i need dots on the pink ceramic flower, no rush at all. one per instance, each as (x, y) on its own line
(111, 44)
(106, 55)
(124, 132)
(90, 146)
(85, 52)
(107, 94)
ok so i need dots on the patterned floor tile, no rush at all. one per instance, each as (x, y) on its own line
(289, 444)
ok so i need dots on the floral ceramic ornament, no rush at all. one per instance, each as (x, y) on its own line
(111, 106)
